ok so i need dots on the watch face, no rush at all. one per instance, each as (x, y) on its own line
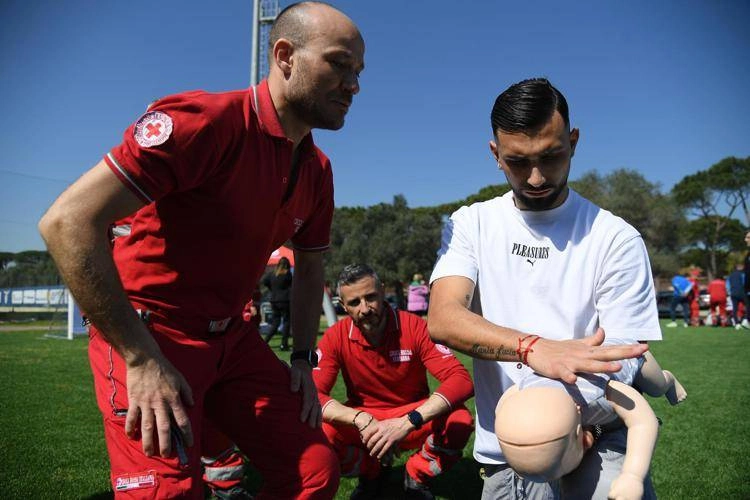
(415, 418)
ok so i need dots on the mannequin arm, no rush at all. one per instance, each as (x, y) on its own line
(643, 429)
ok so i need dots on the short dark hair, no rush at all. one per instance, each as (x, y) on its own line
(527, 106)
(353, 273)
(290, 24)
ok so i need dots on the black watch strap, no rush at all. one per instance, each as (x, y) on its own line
(416, 419)
(307, 355)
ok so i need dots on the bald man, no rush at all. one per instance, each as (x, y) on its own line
(212, 184)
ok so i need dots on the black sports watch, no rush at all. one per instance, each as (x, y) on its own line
(416, 419)
(308, 355)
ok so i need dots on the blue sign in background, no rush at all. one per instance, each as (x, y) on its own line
(34, 296)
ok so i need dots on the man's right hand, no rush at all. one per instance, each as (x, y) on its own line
(562, 359)
(156, 391)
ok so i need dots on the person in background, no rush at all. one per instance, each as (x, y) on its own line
(384, 356)
(417, 301)
(695, 305)
(746, 270)
(279, 283)
(736, 284)
(717, 291)
(398, 291)
(682, 295)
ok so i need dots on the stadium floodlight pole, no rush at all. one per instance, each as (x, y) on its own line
(264, 14)
(256, 29)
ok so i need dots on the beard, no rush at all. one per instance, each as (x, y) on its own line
(370, 323)
(373, 322)
(315, 109)
(539, 204)
(312, 113)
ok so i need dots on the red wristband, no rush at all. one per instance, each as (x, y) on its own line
(528, 349)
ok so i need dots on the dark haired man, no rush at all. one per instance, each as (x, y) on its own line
(547, 267)
(384, 356)
(214, 183)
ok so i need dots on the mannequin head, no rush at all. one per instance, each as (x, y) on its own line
(540, 432)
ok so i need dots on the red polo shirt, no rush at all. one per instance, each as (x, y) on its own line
(214, 182)
(394, 373)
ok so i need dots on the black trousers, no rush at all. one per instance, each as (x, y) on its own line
(280, 317)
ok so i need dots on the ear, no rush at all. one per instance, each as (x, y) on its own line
(588, 439)
(283, 51)
(493, 148)
(573, 141)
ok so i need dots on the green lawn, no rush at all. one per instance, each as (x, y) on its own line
(52, 446)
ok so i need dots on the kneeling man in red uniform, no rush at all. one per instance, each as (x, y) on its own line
(384, 356)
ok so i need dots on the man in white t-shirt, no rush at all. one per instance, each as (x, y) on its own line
(528, 281)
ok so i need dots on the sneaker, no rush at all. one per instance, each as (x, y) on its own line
(367, 489)
(745, 324)
(685, 325)
(671, 324)
(737, 326)
(415, 489)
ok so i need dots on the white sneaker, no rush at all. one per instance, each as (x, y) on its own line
(737, 327)
(745, 324)
(671, 324)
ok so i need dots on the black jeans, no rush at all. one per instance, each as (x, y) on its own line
(280, 317)
(680, 300)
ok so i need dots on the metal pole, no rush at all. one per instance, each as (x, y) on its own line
(256, 34)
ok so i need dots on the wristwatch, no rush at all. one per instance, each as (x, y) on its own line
(308, 355)
(416, 419)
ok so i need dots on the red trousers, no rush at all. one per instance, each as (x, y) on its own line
(223, 464)
(439, 443)
(719, 311)
(242, 388)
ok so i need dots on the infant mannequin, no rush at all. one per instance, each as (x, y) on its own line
(543, 425)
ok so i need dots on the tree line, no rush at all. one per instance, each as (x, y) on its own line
(696, 224)
(701, 222)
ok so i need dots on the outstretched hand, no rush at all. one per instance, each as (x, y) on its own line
(562, 359)
(156, 392)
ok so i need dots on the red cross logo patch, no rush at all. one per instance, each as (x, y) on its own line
(152, 129)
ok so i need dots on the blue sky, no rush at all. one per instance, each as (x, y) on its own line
(659, 87)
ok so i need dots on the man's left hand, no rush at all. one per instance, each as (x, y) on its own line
(386, 436)
(301, 373)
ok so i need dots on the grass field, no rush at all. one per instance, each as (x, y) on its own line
(51, 444)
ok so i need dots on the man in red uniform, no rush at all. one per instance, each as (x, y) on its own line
(214, 182)
(384, 356)
(717, 292)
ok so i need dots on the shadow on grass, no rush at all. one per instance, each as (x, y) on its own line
(104, 495)
(460, 482)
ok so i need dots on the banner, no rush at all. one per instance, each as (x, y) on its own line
(37, 296)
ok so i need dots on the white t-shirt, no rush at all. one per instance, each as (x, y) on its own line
(558, 273)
